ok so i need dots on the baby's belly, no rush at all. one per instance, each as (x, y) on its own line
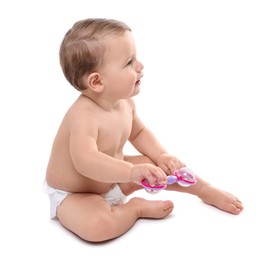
(77, 183)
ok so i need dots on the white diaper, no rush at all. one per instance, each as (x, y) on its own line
(114, 197)
(55, 197)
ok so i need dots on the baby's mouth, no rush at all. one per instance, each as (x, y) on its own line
(138, 82)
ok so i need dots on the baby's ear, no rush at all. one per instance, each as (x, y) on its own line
(94, 82)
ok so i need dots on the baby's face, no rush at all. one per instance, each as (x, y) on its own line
(121, 71)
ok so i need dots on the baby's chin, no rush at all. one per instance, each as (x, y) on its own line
(136, 90)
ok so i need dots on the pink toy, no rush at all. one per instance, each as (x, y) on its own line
(184, 177)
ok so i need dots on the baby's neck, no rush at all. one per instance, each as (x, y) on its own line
(102, 103)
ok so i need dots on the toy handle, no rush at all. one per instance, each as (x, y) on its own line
(171, 179)
(184, 177)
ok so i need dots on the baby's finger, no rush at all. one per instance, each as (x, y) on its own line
(159, 176)
(177, 165)
(162, 176)
(165, 169)
(173, 165)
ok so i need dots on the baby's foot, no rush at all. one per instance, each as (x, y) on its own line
(221, 199)
(153, 209)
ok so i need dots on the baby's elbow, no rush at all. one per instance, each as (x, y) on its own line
(81, 166)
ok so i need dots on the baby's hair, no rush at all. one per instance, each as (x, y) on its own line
(82, 48)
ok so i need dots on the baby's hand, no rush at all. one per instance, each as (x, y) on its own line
(152, 173)
(169, 163)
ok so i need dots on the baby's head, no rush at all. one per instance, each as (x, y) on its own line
(83, 47)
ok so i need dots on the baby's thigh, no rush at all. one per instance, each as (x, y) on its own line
(80, 212)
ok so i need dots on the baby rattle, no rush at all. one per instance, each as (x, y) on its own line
(184, 177)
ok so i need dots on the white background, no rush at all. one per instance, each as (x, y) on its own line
(205, 94)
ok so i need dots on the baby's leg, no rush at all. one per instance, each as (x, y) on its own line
(212, 196)
(207, 193)
(90, 217)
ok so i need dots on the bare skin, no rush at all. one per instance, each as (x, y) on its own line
(110, 222)
(87, 158)
(206, 192)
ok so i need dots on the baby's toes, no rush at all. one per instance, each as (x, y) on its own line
(236, 207)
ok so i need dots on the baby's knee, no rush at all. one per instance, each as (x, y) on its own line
(99, 230)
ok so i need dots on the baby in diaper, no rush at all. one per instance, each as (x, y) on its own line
(113, 197)
(98, 57)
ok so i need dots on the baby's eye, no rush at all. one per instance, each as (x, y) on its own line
(130, 62)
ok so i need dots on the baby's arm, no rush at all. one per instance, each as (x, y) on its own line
(147, 144)
(94, 164)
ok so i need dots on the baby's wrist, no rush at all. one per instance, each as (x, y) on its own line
(158, 157)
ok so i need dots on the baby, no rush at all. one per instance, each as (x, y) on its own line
(88, 177)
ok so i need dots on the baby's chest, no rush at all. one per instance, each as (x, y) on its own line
(114, 133)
